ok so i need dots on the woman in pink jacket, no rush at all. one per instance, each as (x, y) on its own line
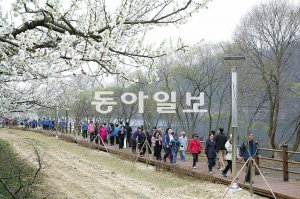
(102, 133)
(195, 147)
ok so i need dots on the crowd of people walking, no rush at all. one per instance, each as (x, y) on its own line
(217, 148)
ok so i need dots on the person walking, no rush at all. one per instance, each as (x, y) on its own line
(103, 134)
(167, 141)
(91, 129)
(195, 147)
(228, 156)
(175, 144)
(183, 146)
(248, 147)
(221, 140)
(157, 143)
(134, 139)
(111, 134)
(121, 137)
(129, 133)
(211, 151)
(84, 128)
(141, 142)
(116, 131)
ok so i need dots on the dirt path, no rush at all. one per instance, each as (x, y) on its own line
(72, 171)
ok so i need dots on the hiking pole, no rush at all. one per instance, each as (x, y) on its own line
(137, 157)
(264, 179)
(235, 178)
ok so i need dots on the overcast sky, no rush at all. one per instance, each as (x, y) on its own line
(215, 24)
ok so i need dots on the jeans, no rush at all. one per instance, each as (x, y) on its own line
(182, 155)
(174, 155)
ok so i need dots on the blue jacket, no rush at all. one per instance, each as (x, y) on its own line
(84, 127)
(62, 123)
(34, 123)
(251, 146)
(116, 130)
(167, 140)
(135, 135)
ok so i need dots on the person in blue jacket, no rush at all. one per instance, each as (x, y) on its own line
(111, 134)
(175, 144)
(62, 125)
(134, 138)
(84, 128)
(34, 123)
(167, 144)
(48, 123)
(245, 149)
(115, 133)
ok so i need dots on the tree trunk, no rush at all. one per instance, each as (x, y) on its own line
(297, 142)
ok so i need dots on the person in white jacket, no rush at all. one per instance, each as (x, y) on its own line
(183, 146)
(228, 156)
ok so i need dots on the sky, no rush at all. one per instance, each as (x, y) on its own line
(214, 24)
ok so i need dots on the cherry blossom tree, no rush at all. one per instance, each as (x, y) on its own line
(55, 38)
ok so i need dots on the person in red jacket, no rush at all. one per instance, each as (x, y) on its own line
(195, 147)
(103, 134)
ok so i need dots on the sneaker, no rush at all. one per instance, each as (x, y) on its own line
(210, 172)
(224, 175)
(195, 167)
(221, 169)
(174, 164)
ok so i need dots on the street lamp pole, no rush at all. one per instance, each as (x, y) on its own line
(234, 113)
(234, 117)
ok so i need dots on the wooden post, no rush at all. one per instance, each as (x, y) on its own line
(256, 159)
(285, 163)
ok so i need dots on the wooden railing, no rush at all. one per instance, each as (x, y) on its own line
(284, 160)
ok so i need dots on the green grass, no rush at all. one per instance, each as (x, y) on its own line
(10, 167)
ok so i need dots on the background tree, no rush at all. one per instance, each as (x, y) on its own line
(267, 36)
